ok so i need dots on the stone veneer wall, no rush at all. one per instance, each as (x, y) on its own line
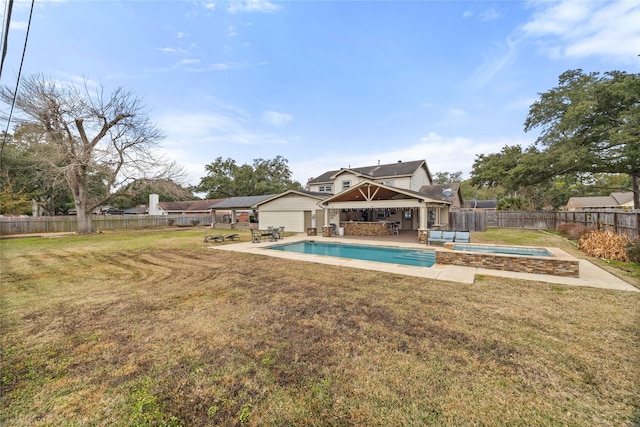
(366, 228)
(538, 265)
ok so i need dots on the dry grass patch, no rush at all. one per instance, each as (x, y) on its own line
(171, 333)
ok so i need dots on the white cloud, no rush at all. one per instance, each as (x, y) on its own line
(578, 29)
(196, 139)
(181, 35)
(503, 55)
(442, 153)
(489, 15)
(19, 25)
(189, 61)
(263, 6)
(275, 118)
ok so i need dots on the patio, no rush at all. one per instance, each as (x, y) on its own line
(590, 274)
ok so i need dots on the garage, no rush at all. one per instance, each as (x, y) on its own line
(294, 210)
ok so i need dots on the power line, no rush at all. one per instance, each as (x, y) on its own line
(5, 39)
(15, 92)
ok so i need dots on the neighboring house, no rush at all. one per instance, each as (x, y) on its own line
(188, 207)
(481, 205)
(237, 206)
(408, 175)
(613, 201)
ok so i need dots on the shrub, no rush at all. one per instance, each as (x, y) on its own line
(633, 250)
(605, 244)
(573, 231)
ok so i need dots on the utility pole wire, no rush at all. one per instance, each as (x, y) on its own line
(6, 23)
(15, 92)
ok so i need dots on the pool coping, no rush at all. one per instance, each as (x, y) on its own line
(590, 274)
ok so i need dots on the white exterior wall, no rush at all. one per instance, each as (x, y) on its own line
(419, 179)
(288, 211)
(403, 182)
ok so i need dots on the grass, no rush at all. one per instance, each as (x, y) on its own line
(152, 328)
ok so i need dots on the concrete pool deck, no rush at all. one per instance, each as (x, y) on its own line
(590, 274)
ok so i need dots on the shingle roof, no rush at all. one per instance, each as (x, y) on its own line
(374, 172)
(439, 191)
(242, 202)
(593, 202)
(189, 205)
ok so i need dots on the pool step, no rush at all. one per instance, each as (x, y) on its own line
(419, 255)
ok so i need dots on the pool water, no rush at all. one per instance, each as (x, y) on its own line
(414, 257)
(509, 250)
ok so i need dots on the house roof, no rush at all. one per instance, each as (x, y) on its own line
(375, 172)
(446, 192)
(623, 198)
(241, 202)
(313, 194)
(615, 200)
(189, 205)
(381, 192)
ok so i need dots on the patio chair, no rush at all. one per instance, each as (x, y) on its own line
(233, 236)
(256, 235)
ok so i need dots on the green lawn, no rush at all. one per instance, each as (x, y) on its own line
(152, 328)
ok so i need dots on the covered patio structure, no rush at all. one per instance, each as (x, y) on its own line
(234, 205)
(374, 209)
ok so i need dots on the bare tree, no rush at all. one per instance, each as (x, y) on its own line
(102, 142)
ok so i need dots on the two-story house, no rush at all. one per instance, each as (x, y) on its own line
(372, 200)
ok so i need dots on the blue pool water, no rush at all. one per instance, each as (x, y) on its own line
(415, 257)
(509, 250)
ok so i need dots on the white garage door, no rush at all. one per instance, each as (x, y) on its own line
(292, 221)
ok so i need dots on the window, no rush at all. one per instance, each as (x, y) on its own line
(381, 214)
(389, 183)
(346, 184)
(325, 189)
(407, 214)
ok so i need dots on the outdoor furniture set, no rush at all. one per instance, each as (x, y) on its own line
(272, 233)
(444, 236)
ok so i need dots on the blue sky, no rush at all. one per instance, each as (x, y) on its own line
(328, 84)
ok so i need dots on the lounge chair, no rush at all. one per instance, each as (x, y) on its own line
(214, 239)
(232, 236)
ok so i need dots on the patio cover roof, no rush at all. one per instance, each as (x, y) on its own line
(369, 194)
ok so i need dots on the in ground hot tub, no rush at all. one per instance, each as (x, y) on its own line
(521, 259)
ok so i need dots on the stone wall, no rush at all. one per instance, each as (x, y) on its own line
(366, 228)
(522, 264)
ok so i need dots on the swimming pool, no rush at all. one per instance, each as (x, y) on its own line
(414, 257)
(508, 250)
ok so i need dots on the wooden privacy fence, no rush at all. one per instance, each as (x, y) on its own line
(617, 221)
(61, 224)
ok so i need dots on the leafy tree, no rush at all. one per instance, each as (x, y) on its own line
(589, 123)
(226, 179)
(137, 193)
(99, 143)
(590, 127)
(26, 169)
(447, 177)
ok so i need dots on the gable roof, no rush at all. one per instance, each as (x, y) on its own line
(382, 192)
(375, 172)
(615, 200)
(312, 194)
